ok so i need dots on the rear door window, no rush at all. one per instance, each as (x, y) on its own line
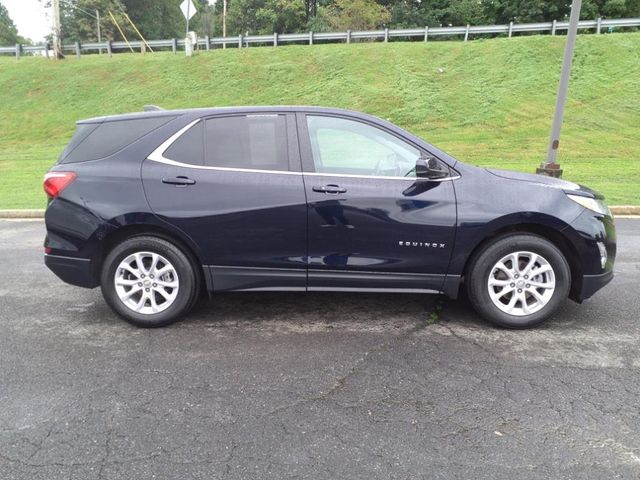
(189, 148)
(107, 138)
(257, 142)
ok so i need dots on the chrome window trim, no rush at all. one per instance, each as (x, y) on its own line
(381, 177)
(158, 156)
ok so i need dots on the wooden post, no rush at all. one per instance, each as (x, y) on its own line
(275, 39)
(174, 45)
(386, 35)
(18, 51)
(426, 34)
(510, 28)
(57, 39)
(99, 31)
(240, 41)
(208, 40)
(553, 27)
(348, 36)
(466, 33)
(599, 25)
(109, 51)
(310, 38)
(46, 49)
(78, 49)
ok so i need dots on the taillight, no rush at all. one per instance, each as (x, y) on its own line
(56, 182)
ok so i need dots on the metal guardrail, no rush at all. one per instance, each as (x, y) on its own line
(311, 37)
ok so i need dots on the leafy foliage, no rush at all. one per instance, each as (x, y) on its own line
(79, 23)
(162, 18)
(354, 15)
(8, 31)
(265, 16)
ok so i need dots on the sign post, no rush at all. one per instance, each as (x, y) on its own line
(188, 10)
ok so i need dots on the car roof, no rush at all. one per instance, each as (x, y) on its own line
(204, 112)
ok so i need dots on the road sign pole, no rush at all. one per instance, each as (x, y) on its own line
(550, 166)
(188, 17)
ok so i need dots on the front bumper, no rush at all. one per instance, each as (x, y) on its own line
(592, 283)
(73, 270)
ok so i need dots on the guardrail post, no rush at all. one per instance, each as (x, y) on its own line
(78, 49)
(553, 27)
(275, 39)
(466, 33)
(208, 45)
(348, 36)
(46, 49)
(426, 33)
(599, 25)
(510, 28)
(174, 45)
(240, 41)
(109, 51)
(310, 38)
(386, 35)
(18, 51)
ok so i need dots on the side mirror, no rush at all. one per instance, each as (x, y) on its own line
(429, 167)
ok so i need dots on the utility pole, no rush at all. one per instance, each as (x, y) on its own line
(550, 167)
(224, 22)
(99, 32)
(57, 40)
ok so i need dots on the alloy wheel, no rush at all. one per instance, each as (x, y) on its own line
(146, 282)
(521, 283)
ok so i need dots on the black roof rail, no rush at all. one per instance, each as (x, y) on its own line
(152, 108)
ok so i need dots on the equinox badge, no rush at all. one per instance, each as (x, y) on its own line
(421, 244)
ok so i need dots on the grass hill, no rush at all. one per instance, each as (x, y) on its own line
(487, 102)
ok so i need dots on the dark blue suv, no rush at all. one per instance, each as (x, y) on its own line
(155, 207)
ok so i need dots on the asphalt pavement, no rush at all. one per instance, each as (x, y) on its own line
(313, 386)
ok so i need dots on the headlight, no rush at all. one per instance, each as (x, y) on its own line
(593, 204)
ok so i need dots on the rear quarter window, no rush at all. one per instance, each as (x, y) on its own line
(98, 140)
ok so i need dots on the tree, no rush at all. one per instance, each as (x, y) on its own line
(79, 23)
(353, 15)
(157, 19)
(265, 16)
(8, 30)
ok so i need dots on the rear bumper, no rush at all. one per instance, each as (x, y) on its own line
(592, 283)
(76, 271)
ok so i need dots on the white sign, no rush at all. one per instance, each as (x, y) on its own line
(188, 9)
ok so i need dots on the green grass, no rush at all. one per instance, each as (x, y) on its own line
(491, 106)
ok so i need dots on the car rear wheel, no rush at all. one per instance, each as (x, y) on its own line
(149, 281)
(518, 281)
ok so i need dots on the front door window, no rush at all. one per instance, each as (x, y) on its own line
(348, 147)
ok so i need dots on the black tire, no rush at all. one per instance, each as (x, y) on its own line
(187, 291)
(481, 268)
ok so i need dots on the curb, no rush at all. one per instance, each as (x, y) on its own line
(22, 214)
(622, 210)
(617, 210)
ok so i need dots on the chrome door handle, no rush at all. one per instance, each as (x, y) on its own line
(179, 181)
(330, 189)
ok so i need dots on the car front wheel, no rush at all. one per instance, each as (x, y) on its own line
(518, 281)
(148, 281)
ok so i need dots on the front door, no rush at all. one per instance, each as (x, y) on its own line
(372, 223)
(233, 185)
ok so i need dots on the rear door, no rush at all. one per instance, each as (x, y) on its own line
(233, 184)
(372, 223)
